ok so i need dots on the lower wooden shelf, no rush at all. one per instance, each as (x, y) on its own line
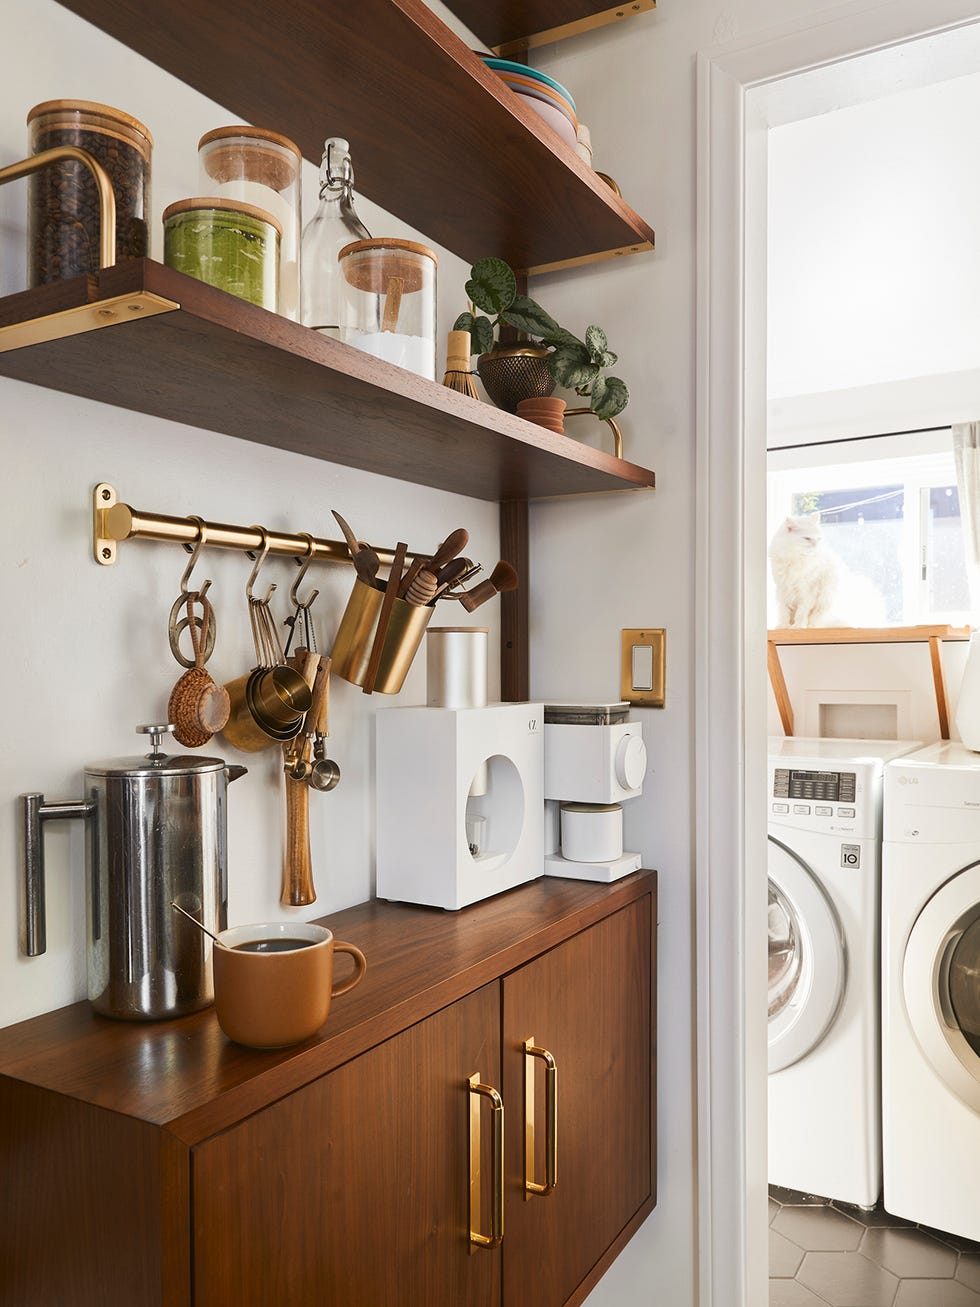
(931, 635)
(144, 337)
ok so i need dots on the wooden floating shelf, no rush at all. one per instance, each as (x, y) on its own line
(931, 635)
(437, 139)
(514, 25)
(144, 337)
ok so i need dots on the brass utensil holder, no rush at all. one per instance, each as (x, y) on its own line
(355, 638)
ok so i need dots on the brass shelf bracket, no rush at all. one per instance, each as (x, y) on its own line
(114, 522)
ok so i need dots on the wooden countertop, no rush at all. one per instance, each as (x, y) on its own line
(186, 1076)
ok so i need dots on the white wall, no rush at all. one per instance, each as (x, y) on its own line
(874, 275)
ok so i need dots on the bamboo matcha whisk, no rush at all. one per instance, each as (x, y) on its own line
(458, 375)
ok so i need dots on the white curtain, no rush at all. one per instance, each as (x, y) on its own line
(966, 450)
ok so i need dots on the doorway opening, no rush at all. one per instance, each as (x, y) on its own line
(855, 55)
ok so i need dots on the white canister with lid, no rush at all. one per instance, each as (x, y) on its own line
(456, 666)
(591, 832)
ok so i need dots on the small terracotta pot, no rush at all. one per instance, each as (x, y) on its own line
(549, 413)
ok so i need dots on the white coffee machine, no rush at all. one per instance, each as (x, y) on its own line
(594, 759)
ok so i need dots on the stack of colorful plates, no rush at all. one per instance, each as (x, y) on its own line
(542, 93)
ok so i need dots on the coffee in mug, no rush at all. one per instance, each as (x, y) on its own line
(273, 982)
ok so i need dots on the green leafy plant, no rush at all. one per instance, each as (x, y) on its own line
(576, 364)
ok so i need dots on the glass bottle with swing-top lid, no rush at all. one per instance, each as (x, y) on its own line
(334, 225)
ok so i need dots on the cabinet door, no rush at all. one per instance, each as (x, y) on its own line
(354, 1189)
(588, 1002)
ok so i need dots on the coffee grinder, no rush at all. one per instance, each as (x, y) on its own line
(460, 784)
(594, 759)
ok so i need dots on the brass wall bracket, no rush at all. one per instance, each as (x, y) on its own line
(113, 522)
(82, 318)
(589, 24)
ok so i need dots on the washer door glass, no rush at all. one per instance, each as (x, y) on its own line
(964, 984)
(785, 951)
(807, 964)
(941, 983)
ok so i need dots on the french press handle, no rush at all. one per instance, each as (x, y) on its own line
(35, 812)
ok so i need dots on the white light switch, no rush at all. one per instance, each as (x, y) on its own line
(643, 667)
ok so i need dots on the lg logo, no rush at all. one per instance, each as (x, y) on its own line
(532, 726)
(908, 780)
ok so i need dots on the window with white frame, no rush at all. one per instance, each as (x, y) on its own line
(889, 508)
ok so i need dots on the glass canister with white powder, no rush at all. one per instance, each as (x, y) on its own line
(257, 167)
(390, 286)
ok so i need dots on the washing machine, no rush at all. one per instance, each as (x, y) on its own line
(931, 988)
(824, 861)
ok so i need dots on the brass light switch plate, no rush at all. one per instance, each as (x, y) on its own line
(644, 667)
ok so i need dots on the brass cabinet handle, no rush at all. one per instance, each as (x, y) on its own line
(532, 1051)
(476, 1090)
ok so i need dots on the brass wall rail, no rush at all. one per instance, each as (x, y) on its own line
(107, 198)
(114, 522)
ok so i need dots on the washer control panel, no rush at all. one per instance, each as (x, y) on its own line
(821, 786)
(832, 801)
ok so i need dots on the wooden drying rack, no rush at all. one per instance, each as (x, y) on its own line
(933, 635)
(113, 522)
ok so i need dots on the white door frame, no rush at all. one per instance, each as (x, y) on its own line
(735, 89)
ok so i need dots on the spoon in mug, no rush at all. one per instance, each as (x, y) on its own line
(197, 924)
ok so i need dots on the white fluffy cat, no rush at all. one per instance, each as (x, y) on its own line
(806, 572)
(813, 586)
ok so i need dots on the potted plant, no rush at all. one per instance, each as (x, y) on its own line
(511, 373)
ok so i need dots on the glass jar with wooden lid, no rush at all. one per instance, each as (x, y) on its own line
(228, 244)
(390, 287)
(63, 212)
(261, 168)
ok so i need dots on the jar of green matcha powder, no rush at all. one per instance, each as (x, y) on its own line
(228, 244)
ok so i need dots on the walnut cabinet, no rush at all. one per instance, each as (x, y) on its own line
(161, 1165)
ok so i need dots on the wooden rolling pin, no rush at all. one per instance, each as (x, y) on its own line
(297, 868)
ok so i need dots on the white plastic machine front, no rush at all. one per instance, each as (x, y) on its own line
(931, 988)
(824, 806)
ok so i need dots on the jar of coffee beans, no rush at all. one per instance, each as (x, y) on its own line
(63, 215)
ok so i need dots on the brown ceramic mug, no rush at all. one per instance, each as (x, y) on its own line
(273, 982)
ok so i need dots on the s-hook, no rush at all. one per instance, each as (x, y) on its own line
(187, 599)
(302, 606)
(259, 560)
(195, 553)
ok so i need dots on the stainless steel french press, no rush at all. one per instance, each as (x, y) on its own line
(157, 835)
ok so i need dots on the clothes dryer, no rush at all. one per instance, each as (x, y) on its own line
(931, 988)
(824, 860)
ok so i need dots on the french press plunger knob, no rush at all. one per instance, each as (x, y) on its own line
(156, 734)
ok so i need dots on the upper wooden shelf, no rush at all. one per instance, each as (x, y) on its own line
(144, 337)
(512, 25)
(436, 138)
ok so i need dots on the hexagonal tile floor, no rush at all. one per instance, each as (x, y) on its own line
(826, 1254)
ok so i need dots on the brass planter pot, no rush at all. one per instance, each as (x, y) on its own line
(511, 373)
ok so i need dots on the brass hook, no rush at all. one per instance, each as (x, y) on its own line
(198, 545)
(304, 567)
(260, 559)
